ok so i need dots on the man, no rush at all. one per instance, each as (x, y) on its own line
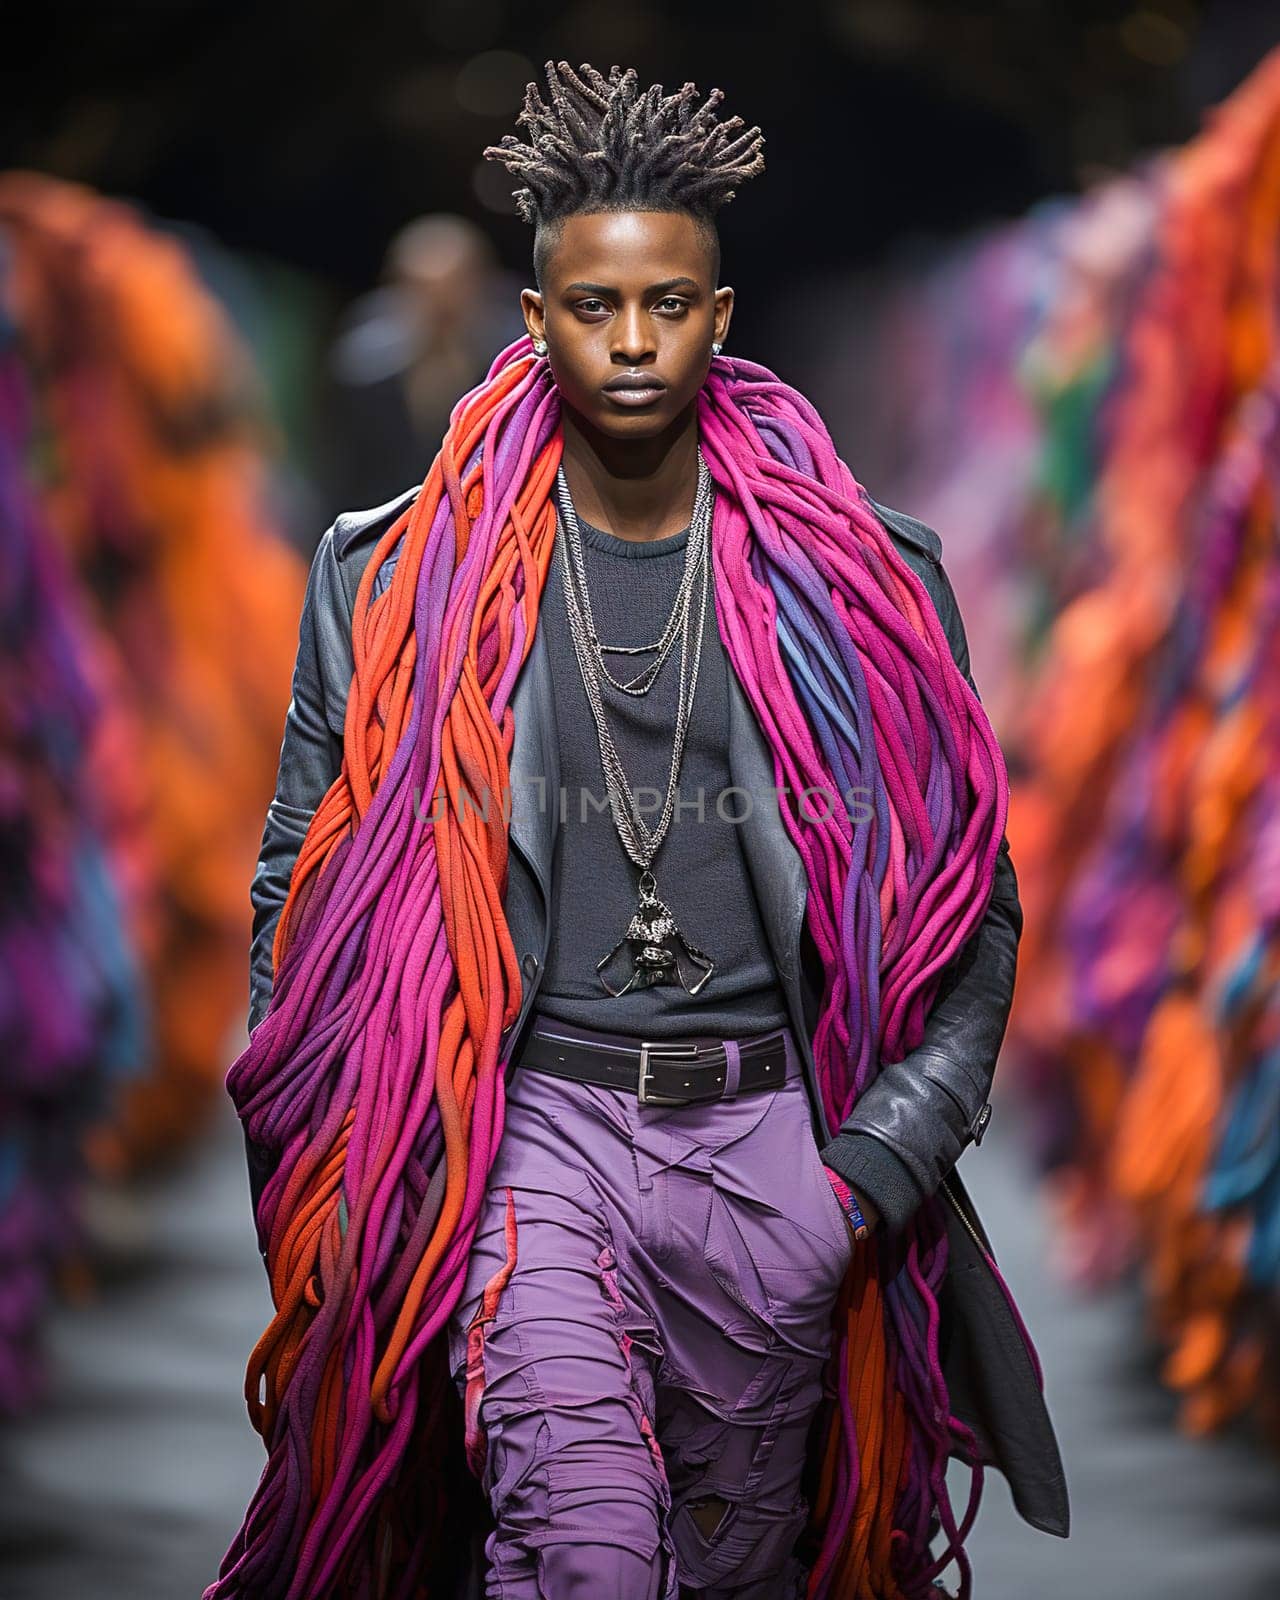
(638, 1275)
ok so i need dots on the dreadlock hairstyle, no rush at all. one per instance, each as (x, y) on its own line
(604, 144)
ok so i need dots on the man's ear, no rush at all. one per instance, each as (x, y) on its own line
(723, 314)
(531, 310)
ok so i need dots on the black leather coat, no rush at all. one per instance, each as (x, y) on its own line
(902, 1139)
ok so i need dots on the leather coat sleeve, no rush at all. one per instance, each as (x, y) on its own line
(310, 760)
(914, 1119)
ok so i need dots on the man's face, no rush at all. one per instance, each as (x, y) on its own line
(628, 296)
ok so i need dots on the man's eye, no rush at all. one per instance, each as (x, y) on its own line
(592, 303)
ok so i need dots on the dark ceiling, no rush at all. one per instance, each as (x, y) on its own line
(309, 132)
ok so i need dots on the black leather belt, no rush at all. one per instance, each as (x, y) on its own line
(666, 1072)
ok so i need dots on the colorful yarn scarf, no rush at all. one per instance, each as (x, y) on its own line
(72, 1017)
(150, 472)
(377, 1074)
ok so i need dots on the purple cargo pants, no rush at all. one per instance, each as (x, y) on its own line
(641, 1339)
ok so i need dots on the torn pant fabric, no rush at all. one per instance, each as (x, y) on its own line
(641, 1339)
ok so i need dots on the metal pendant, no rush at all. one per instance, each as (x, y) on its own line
(658, 951)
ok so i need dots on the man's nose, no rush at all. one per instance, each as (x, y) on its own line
(633, 337)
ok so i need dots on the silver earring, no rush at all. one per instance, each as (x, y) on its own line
(539, 347)
(716, 349)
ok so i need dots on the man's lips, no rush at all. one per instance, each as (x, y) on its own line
(635, 391)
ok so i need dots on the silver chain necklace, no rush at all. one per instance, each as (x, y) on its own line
(657, 947)
(699, 528)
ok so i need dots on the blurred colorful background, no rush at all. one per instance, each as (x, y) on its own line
(1024, 257)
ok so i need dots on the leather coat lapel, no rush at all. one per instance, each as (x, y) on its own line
(535, 763)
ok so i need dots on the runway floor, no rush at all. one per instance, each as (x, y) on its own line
(131, 1483)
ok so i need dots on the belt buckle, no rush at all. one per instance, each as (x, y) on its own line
(648, 1049)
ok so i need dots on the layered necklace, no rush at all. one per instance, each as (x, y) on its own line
(652, 949)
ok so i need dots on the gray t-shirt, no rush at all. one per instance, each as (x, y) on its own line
(700, 869)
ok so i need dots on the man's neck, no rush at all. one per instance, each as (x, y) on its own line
(639, 489)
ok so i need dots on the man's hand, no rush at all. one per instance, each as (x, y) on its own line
(842, 1190)
(867, 1208)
